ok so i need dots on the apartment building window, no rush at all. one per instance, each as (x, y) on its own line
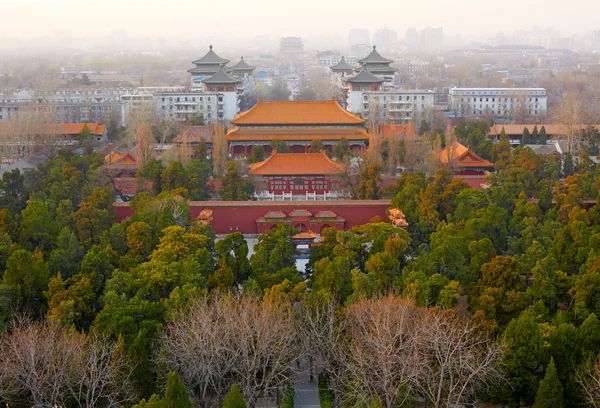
(422, 98)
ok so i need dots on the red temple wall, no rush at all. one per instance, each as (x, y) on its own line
(241, 216)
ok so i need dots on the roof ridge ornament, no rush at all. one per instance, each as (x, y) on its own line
(210, 47)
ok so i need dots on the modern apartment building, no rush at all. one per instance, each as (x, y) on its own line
(396, 106)
(499, 103)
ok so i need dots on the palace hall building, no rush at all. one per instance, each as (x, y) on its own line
(297, 123)
(297, 174)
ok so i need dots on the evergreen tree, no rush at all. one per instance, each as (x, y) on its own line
(542, 137)
(550, 393)
(340, 149)
(525, 137)
(503, 134)
(535, 135)
(257, 154)
(568, 167)
(176, 396)
(233, 186)
(234, 398)
(316, 146)
(280, 146)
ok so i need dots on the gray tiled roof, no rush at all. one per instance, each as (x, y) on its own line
(242, 66)
(374, 57)
(210, 58)
(342, 66)
(365, 77)
(221, 77)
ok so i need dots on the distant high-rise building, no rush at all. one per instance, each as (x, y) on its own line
(412, 39)
(500, 39)
(431, 38)
(291, 47)
(385, 37)
(358, 36)
(360, 50)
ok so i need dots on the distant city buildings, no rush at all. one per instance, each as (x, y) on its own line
(430, 39)
(291, 48)
(385, 37)
(369, 91)
(499, 103)
(358, 36)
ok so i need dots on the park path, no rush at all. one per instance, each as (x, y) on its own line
(306, 393)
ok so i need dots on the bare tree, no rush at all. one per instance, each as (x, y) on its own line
(589, 379)
(219, 150)
(101, 374)
(324, 333)
(382, 353)
(197, 345)
(574, 112)
(142, 114)
(456, 358)
(233, 339)
(144, 147)
(47, 363)
(35, 360)
(267, 341)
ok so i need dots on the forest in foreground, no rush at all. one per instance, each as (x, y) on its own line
(489, 295)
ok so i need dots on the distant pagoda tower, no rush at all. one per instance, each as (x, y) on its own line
(342, 69)
(362, 82)
(242, 69)
(378, 65)
(206, 67)
(224, 84)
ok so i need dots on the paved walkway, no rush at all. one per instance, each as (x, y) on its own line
(306, 393)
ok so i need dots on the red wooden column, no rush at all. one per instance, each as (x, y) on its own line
(305, 148)
(246, 150)
(230, 150)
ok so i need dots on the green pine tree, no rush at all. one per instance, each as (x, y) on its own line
(568, 167)
(543, 137)
(525, 137)
(503, 134)
(234, 398)
(550, 392)
(535, 135)
(176, 396)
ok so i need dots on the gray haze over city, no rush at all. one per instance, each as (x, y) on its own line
(260, 23)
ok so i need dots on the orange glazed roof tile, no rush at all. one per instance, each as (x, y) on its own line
(296, 164)
(297, 113)
(68, 128)
(321, 133)
(462, 156)
(551, 129)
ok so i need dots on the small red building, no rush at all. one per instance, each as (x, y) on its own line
(466, 165)
(297, 173)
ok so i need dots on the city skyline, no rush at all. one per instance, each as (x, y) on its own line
(183, 18)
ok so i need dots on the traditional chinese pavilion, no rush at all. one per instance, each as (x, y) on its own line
(463, 161)
(297, 173)
(297, 123)
(208, 65)
(377, 65)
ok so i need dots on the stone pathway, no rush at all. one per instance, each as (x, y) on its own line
(306, 393)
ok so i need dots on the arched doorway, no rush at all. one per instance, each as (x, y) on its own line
(301, 227)
(323, 228)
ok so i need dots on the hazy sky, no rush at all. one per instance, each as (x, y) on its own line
(248, 18)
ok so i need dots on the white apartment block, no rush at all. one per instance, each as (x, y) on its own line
(397, 106)
(70, 105)
(180, 106)
(500, 103)
(331, 60)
